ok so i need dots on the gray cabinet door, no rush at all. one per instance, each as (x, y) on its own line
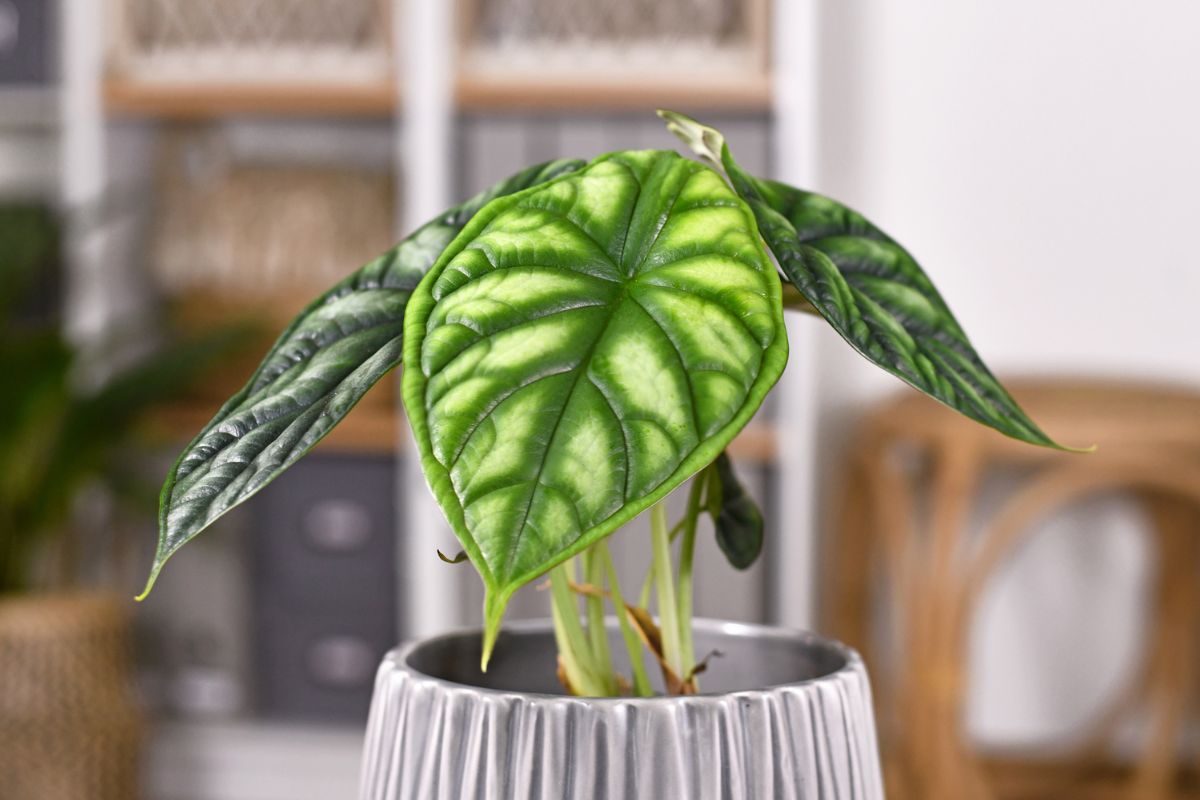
(26, 41)
(324, 586)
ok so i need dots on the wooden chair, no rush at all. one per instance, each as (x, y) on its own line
(898, 542)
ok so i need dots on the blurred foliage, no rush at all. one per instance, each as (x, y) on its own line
(56, 436)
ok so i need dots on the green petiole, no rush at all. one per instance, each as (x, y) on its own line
(633, 645)
(665, 587)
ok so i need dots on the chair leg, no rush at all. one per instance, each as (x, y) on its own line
(846, 596)
(1172, 674)
(951, 772)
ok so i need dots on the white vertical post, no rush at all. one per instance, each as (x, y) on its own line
(794, 573)
(82, 173)
(425, 49)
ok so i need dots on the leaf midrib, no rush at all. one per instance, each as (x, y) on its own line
(186, 479)
(265, 377)
(580, 370)
(584, 363)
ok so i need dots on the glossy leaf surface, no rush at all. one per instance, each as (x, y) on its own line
(580, 350)
(870, 289)
(332, 353)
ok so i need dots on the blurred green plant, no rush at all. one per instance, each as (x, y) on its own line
(55, 435)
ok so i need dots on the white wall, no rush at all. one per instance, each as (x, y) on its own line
(1042, 161)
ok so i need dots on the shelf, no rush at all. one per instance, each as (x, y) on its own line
(28, 107)
(497, 92)
(251, 761)
(473, 92)
(207, 100)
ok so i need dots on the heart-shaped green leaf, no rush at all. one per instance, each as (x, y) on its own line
(580, 350)
(869, 289)
(327, 359)
(737, 519)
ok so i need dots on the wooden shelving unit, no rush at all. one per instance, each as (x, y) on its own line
(472, 92)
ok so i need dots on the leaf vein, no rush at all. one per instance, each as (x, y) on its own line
(492, 406)
(683, 367)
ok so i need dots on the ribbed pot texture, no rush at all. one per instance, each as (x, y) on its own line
(784, 715)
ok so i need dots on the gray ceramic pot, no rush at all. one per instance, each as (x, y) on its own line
(785, 715)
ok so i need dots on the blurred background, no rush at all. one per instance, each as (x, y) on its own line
(177, 178)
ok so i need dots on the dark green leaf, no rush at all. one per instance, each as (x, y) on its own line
(870, 290)
(582, 349)
(737, 519)
(333, 352)
(459, 557)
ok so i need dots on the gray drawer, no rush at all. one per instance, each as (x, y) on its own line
(325, 535)
(319, 667)
(325, 588)
(26, 41)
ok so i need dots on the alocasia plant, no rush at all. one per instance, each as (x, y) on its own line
(580, 340)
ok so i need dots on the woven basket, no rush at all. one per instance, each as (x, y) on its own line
(68, 727)
(237, 242)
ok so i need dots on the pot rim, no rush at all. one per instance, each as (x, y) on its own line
(852, 662)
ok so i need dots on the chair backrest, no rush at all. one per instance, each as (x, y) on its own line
(899, 543)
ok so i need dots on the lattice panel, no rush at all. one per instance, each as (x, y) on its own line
(259, 231)
(253, 23)
(714, 22)
(253, 39)
(583, 36)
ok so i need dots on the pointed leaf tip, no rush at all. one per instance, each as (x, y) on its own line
(877, 297)
(704, 141)
(490, 632)
(154, 570)
(493, 613)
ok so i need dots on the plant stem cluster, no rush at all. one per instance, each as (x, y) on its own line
(585, 664)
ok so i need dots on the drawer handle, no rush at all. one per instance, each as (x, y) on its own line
(337, 526)
(10, 27)
(342, 662)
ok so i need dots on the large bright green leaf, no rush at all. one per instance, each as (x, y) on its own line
(870, 289)
(580, 350)
(333, 352)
